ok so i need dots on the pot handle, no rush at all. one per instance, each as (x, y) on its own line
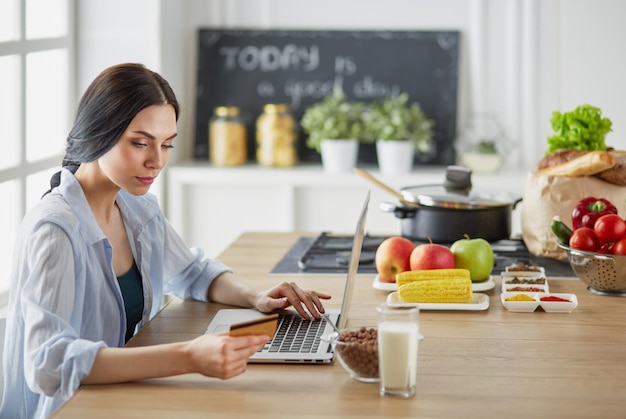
(398, 211)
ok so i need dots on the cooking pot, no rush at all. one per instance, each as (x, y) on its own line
(447, 212)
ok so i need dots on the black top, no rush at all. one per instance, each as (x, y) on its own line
(132, 292)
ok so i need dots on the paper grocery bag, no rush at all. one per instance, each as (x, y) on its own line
(547, 196)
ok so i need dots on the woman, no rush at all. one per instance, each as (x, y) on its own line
(95, 256)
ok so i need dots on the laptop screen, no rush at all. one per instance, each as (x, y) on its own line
(353, 268)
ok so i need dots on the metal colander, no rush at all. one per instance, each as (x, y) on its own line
(603, 274)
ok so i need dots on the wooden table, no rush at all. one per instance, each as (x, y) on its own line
(479, 364)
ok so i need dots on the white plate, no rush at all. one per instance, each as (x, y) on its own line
(384, 286)
(479, 302)
(484, 286)
(476, 287)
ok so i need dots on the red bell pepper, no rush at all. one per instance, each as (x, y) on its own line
(589, 209)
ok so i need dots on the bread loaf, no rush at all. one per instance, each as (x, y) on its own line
(588, 163)
(558, 157)
(616, 174)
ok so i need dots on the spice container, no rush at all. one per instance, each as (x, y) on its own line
(227, 137)
(550, 303)
(519, 306)
(276, 137)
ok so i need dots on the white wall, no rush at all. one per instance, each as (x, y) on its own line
(520, 59)
(114, 31)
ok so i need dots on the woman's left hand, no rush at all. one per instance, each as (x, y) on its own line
(289, 294)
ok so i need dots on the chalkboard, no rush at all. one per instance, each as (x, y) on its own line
(249, 68)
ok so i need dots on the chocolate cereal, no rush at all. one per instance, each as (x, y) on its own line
(360, 352)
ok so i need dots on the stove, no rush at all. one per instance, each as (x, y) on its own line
(330, 253)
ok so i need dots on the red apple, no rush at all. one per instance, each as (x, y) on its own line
(392, 257)
(431, 256)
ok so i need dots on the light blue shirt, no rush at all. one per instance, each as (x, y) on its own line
(65, 303)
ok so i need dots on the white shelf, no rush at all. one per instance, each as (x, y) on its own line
(211, 206)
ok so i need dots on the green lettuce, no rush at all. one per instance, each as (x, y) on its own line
(584, 128)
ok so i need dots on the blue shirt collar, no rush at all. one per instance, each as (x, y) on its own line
(135, 215)
(73, 194)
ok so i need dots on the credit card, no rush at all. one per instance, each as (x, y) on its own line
(263, 326)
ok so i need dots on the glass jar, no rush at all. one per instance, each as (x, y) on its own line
(276, 137)
(227, 137)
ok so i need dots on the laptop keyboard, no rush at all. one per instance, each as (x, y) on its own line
(296, 335)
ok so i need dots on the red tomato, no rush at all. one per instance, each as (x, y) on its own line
(584, 238)
(606, 248)
(619, 248)
(609, 227)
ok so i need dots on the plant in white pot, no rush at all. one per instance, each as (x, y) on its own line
(483, 144)
(399, 129)
(335, 128)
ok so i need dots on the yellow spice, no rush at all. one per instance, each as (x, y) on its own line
(520, 297)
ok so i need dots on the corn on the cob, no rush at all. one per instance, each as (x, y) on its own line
(426, 274)
(449, 290)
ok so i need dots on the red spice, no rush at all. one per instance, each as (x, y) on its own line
(555, 298)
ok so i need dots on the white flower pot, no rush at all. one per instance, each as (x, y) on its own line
(395, 157)
(339, 156)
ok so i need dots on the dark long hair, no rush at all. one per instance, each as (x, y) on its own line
(106, 109)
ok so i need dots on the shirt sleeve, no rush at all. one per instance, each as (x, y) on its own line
(56, 360)
(193, 273)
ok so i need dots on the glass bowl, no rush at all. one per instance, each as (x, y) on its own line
(357, 352)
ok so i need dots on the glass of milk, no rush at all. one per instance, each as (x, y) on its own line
(398, 336)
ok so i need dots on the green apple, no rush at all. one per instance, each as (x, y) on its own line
(475, 255)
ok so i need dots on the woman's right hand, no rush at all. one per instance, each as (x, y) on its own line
(222, 356)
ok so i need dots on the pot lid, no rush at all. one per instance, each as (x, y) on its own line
(440, 196)
(456, 192)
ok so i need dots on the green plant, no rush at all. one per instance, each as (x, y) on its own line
(395, 119)
(584, 128)
(334, 118)
(486, 147)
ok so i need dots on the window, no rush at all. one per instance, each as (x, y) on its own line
(36, 64)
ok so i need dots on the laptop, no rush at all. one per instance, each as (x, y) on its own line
(298, 340)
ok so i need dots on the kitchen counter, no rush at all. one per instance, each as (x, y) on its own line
(480, 364)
